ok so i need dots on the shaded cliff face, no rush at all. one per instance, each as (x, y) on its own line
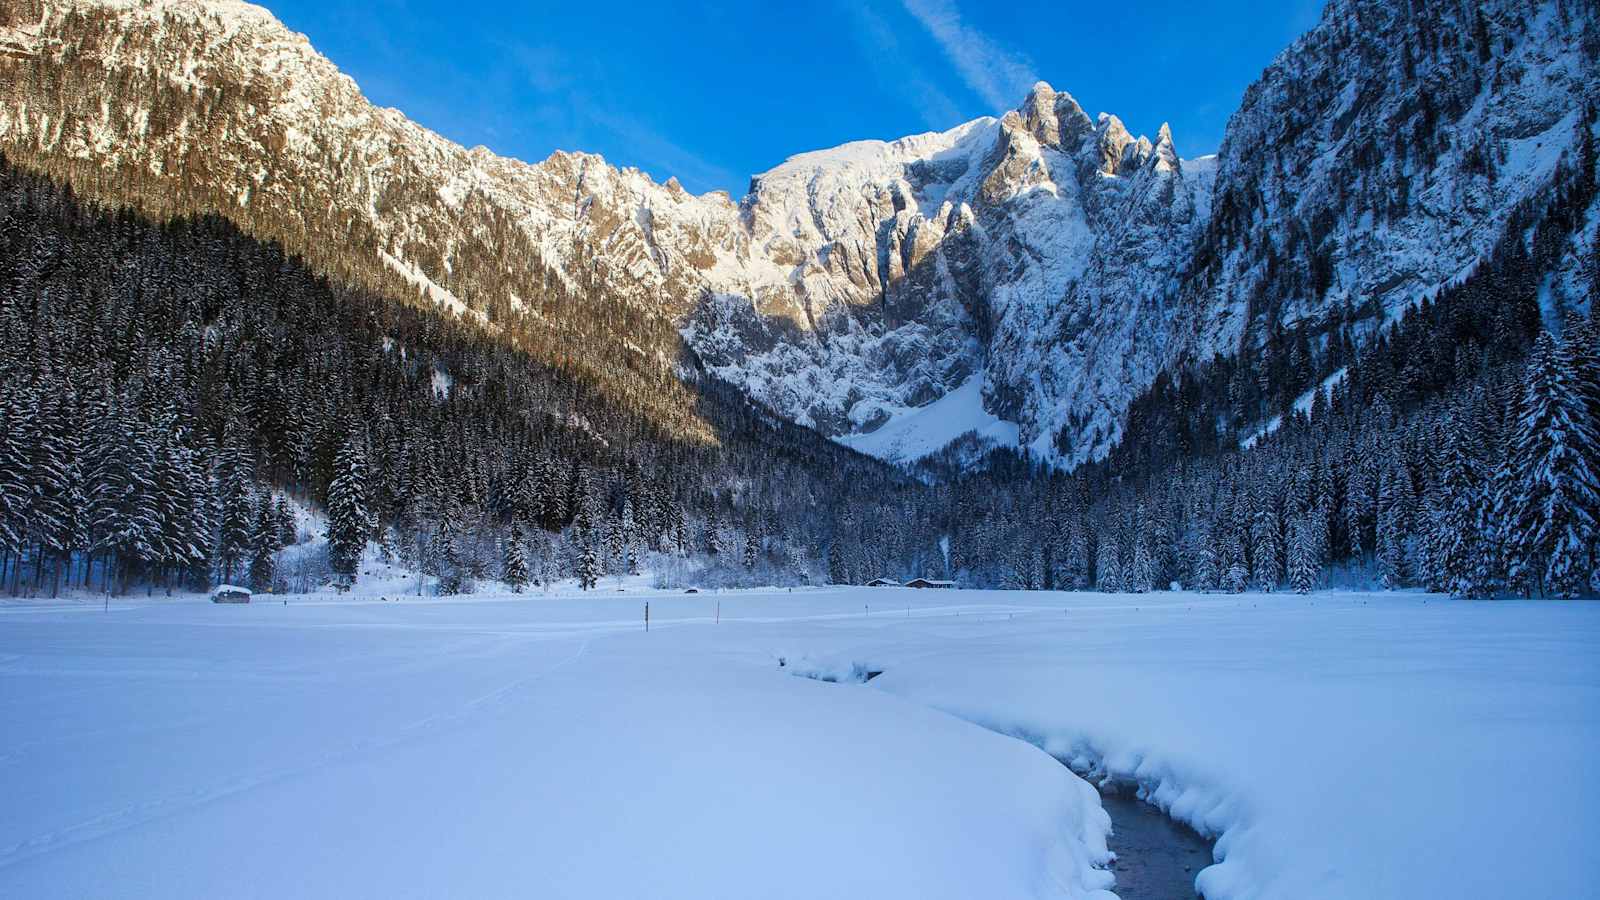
(1384, 154)
(1053, 257)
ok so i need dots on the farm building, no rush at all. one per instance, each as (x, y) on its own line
(929, 583)
(883, 582)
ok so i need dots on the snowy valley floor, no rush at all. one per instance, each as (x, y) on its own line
(1342, 745)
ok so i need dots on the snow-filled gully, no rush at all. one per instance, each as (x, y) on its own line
(1157, 856)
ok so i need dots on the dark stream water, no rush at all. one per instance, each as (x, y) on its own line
(1157, 858)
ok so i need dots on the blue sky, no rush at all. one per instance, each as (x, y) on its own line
(714, 92)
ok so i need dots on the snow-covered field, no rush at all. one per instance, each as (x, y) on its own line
(1342, 745)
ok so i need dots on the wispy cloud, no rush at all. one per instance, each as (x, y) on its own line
(896, 69)
(998, 75)
(571, 108)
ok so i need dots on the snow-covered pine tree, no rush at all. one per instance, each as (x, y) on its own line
(582, 502)
(349, 522)
(514, 568)
(523, 495)
(202, 520)
(551, 498)
(1360, 508)
(630, 525)
(1108, 567)
(713, 534)
(1554, 492)
(234, 493)
(284, 517)
(1207, 562)
(264, 548)
(1266, 555)
(1073, 571)
(1456, 511)
(1581, 338)
(836, 565)
(445, 552)
(1582, 344)
(1235, 574)
(122, 517)
(1496, 422)
(615, 545)
(172, 506)
(1142, 574)
(1394, 527)
(74, 537)
(13, 481)
(1304, 561)
(52, 517)
(588, 563)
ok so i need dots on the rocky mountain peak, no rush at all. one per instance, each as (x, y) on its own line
(1162, 155)
(1054, 118)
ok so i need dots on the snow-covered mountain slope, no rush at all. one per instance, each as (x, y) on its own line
(1054, 257)
(1388, 151)
(1034, 250)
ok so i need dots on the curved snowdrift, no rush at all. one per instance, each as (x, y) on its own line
(1345, 746)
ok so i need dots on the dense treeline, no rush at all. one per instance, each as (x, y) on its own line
(170, 395)
(1486, 489)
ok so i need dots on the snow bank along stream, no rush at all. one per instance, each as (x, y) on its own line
(1156, 857)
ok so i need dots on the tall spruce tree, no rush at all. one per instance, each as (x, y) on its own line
(1266, 555)
(1394, 528)
(588, 563)
(349, 521)
(1303, 559)
(1455, 521)
(236, 496)
(1553, 491)
(514, 567)
(1108, 567)
(264, 548)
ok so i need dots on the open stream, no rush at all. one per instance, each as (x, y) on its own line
(1157, 858)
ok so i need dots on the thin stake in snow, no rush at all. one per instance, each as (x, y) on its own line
(647, 615)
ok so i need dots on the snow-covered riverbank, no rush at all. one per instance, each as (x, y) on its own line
(1342, 745)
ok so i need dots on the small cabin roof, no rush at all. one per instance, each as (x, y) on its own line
(230, 589)
(931, 581)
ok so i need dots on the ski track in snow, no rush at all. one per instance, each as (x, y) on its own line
(142, 813)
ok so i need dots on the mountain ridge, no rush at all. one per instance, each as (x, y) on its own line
(1056, 258)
